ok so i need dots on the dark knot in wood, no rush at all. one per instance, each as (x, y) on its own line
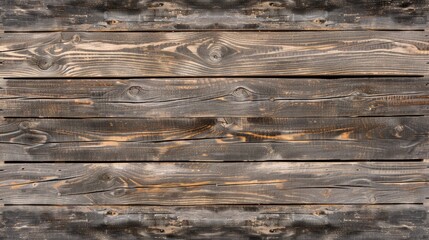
(215, 55)
(44, 63)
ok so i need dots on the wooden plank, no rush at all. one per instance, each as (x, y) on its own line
(202, 139)
(215, 183)
(154, 15)
(214, 54)
(376, 222)
(212, 97)
(225, 139)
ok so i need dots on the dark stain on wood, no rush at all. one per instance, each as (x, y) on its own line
(111, 15)
(217, 222)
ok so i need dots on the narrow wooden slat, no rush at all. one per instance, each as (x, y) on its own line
(225, 139)
(154, 15)
(377, 222)
(214, 54)
(215, 183)
(212, 97)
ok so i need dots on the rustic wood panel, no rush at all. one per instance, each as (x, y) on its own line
(215, 183)
(160, 139)
(214, 54)
(212, 97)
(378, 222)
(154, 15)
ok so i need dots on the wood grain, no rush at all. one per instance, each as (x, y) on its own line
(213, 97)
(202, 54)
(155, 15)
(378, 222)
(225, 139)
(215, 183)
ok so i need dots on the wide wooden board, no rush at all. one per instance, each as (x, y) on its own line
(341, 222)
(202, 54)
(213, 97)
(155, 15)
(215, 183)
(224, 139)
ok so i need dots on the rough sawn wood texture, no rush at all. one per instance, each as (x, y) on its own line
(214, 119)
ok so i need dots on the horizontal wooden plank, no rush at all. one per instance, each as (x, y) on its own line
(213, 97)
(214, 54)
(154, 15)
(215, 183)
(378, 222)
(226, 139)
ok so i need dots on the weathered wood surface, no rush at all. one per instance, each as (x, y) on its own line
(154, 15)
(226, 139)
(215, 183)
(214, 54)
(213, 97)
(377, 222)
(104, 132)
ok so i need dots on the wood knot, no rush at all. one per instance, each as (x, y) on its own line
(112, 213)
(135, 91)
(30, 139)
(44, 63)
(106, 177)
(241, 93)
(112, 21)
(118, 192)
(319, 20)
(25, 125)
(217, 53)
(398, 130)
(157, 4)
(76, 38)
(275, 4)
(225, 122)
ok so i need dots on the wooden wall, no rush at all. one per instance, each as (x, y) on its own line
(204, 119)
